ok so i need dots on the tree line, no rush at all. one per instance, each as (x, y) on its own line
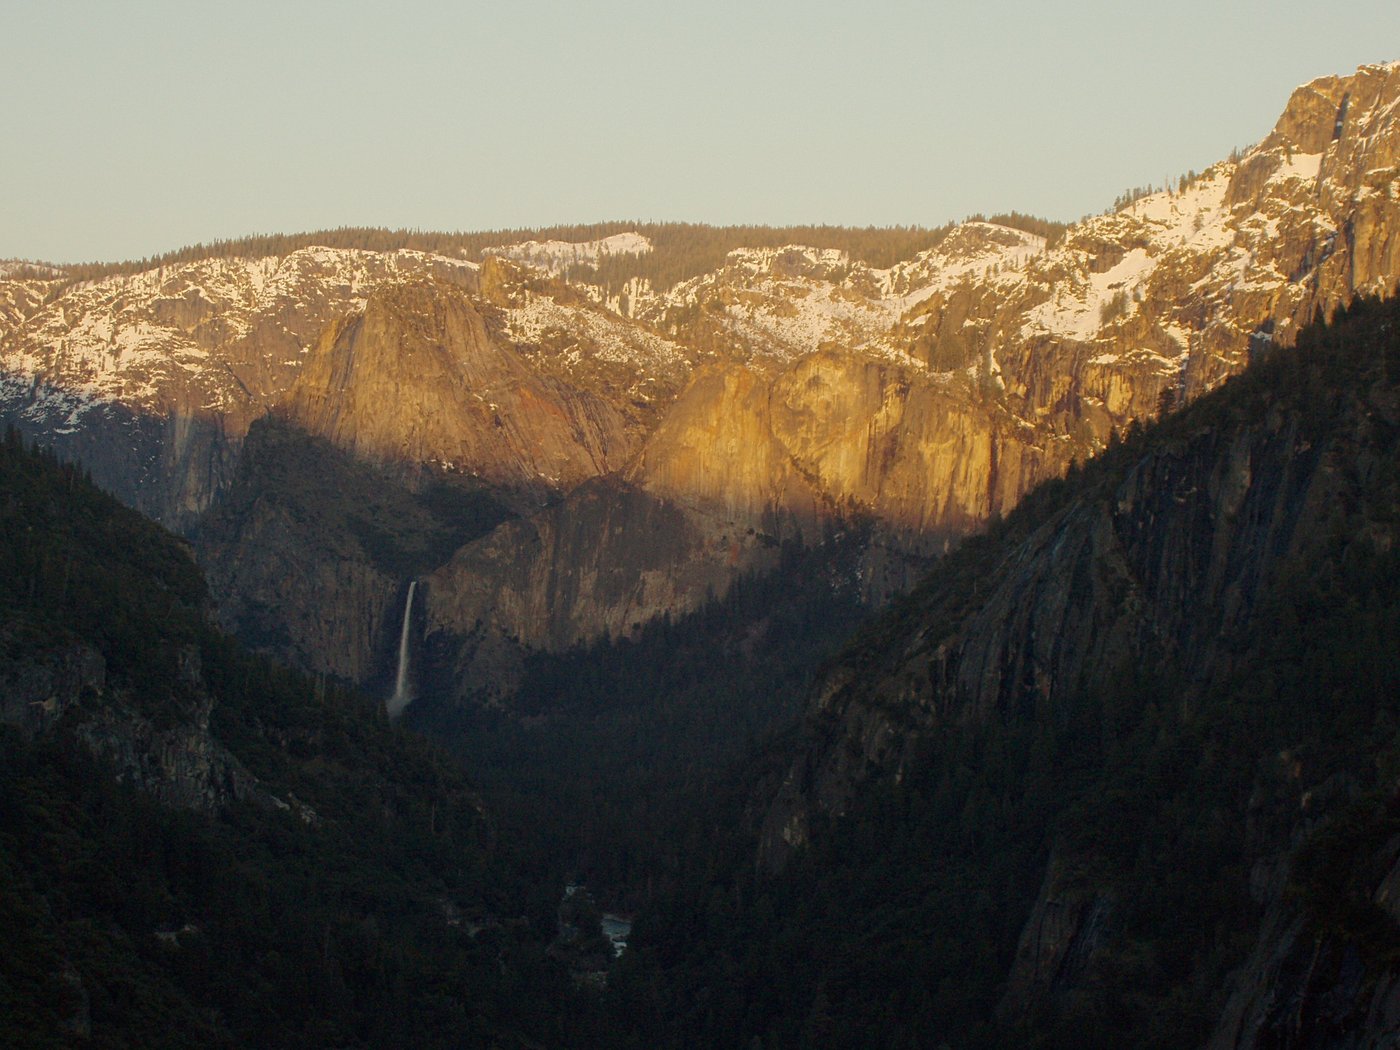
(680, 250)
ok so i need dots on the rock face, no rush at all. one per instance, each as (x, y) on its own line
(294, 592)
(1301, 990)
(717, 450)
(311, 547)
(607, 559)
(416, 378)
(785, 390)
(1178, 557)
(1170, 562)
(152, 379)
(1065, 933)
(179, 763)
(34, 694)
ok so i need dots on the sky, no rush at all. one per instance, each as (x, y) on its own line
(139, 127)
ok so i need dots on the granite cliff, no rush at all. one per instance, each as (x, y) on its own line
(1185, 647)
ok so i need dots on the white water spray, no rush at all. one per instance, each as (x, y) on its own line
(401, 697)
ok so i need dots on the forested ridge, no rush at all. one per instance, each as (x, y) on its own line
(1165, 811)
(680, 250)
(345, 887)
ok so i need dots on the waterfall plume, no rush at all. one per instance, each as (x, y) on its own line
(401, 696)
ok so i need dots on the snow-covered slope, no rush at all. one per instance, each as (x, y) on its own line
(776, 305)
(219, 336)
(1163, 295)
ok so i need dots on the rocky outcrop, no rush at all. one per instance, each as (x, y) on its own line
(176, 761)
(1164, 296)
(1302, 988)
(312, 548)
(35, 692)
(1169, 562)
(181, 765)
(170, 466)
(1065, 934)
(904, 446)
(717, 451)
(932, 399)
(153, 379)
(605, 561)
(416, 378)
(316, 602)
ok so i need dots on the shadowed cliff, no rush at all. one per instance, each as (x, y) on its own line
(1122, 771)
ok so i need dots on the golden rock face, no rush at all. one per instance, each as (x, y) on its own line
(716, 450)
(417, 378)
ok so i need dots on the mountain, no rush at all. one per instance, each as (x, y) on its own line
(1121, 771)
(650, 441)
(200, 848)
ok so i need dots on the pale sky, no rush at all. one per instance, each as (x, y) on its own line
(132, 128)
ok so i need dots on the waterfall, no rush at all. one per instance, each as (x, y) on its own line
(400, 699)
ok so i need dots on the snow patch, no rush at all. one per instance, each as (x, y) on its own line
(1303, 166)
(1077, 306)
(540, 320)
(164, 336)
(558, 256)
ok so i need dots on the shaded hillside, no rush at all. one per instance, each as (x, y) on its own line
(1123, 772)
(197, 848)
(309, 549)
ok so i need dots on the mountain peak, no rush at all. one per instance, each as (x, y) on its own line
(1331, 107)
